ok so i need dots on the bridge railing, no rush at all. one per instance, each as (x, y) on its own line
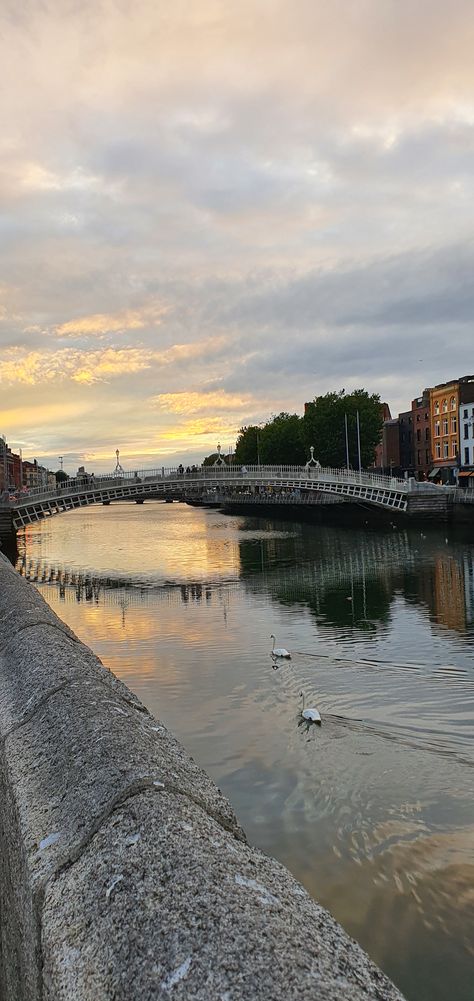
(86, 484)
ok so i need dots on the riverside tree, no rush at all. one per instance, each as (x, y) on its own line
(247, 446)
(282, 441)
(324, 427)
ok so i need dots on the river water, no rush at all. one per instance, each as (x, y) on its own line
(374, 811)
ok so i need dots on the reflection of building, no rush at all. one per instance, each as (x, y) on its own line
(449, 601)
(468, 572)
(420, 409)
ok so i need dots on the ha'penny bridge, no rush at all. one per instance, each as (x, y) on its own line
(229, 487)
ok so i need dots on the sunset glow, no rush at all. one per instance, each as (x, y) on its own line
(211, 213)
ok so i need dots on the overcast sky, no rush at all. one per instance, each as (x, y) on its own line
(211, 211)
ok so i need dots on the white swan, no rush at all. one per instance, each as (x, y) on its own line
(310, 715)
(280, 650)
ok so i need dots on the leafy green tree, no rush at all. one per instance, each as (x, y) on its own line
(282, 441)
(61, 476)
(247, 446)
(324, 427)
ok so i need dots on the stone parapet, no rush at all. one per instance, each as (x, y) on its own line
(124, 873)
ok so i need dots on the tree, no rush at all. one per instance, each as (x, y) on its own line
(61, 476)
(211, 459)
(324, 427)
(247, 446)
(282, 441)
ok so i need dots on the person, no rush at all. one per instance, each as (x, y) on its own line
(244, 469)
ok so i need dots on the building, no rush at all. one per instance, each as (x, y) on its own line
(387, 453)
(444, 420)
(421, 429)
(407, 458)
(10, 468)
(466, 432)
(35, 476)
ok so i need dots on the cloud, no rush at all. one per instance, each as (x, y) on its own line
(100, 324)
(211, 212)
(89, 367)
(217, 401)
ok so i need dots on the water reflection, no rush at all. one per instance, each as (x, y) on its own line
(374, 810)
(345, 581)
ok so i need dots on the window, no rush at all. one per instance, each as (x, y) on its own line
(427, 457)
(445, 425)
(466, 430)
(419, 457)
(453, 403)
(454, 425)
(437, 428)
(445, 406)
(437, 407)
(454, 449)
(438, 450)
(427, 417)
(466, 456)
(427, 434)
(445, 449)
(418, 435)
(465, 414)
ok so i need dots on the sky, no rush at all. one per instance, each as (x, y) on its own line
(213, 211)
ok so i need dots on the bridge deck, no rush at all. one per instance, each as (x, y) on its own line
(264, 481)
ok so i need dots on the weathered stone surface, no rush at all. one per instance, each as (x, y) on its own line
(164, 903)
(92, 788)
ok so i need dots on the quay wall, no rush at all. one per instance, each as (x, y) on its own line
(124, 873)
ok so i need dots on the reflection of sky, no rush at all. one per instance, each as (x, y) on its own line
(374, 812)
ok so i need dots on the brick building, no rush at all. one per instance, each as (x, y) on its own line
(421, 429)
(444, 419)
(407, 458)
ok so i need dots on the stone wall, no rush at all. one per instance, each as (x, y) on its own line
(124, 873)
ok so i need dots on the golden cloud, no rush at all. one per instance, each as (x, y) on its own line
(88, 367)
(99, 324)
(202, 403)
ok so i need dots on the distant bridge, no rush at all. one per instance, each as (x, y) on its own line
(225, 483)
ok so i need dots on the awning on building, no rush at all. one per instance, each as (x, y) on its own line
(434, 472)
(466, 472)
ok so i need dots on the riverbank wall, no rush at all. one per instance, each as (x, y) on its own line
(124, 873)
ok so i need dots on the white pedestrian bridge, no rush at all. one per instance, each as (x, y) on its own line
(228, 482)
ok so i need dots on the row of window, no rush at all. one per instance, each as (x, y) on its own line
(452, 405)
(467, 458)
(454, 426)
(466, 413)
(427, 434)
(445, 453)
(420, 460)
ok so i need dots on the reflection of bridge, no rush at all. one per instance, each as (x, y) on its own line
(226, 481)
(371, 557)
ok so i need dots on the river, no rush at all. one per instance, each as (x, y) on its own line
(374, 811)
